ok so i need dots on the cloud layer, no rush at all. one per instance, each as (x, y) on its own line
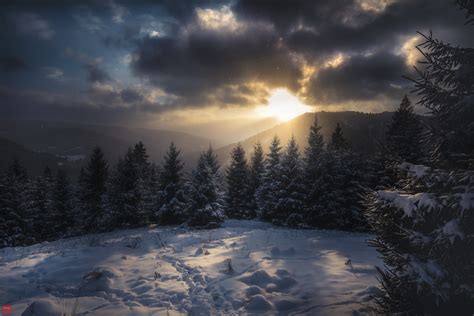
(147, 57)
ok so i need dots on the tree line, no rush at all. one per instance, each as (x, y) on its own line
(317, 188)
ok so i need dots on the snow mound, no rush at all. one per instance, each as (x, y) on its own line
(274, 283)
(259, 303)
(253, 290)
(43, 307)
(100, 279)
(259, 277)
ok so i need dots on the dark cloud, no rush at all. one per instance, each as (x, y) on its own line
(95, 107)
(12, 64)
(361, 78)
(96, 74)
(130, 96)
(205, 61)
(193, 67)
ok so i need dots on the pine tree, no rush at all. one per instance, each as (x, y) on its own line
(171, 196)
(237, 176)
(338, 141)
(40, 208)
(339, 187)
(424, 226)
(267, 194)
(93, 189)
(125, 194)
(13, 217)
(210, 158)
(140, 158)
(290, 204)
(204, 207)
(62, 216)
(315, 154)
(445, 85)
(404, 134)
(146, 183)
(257, 169)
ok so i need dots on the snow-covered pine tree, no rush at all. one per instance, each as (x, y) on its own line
(289, 209)
(256, 171)
(403, 139)
(40, 207)
(237, 177)
(314, 157)
(210, 158)
(204, 208)
(92, 181)
(425, 235)
(13, 217)
(125, 195)
(62, 215)
(341, 185)
(267, 194)
(146, 184)
(171, 185)
(425, 227)
(445, 85)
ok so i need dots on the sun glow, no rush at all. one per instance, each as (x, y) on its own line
(283, 105)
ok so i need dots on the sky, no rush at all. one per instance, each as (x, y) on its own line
(211, 66)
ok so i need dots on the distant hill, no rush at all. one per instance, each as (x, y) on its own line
(34, 162)
(363, 130)
(74, 141)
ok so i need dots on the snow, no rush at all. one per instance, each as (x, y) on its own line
(408, 202)
(466, 201)
(244, 267)
(418, 171)
(452, 230)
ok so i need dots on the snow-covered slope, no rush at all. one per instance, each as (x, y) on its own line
(245, 267)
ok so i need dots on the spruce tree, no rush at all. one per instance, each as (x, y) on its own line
(13, 217)
(338, 141)
(404, 134)
(237, 176)
(313, 169)
(40, 207)
(257, 169)
(93, 190)
(146, 183)
(210, 158)
(340, 185)
(171, 195)
(62, 215)
(424, 226)
(204, 205)
(267, 194)
(290, 198)
(445, 85)
(125, 194)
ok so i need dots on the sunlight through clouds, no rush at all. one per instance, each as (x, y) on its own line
(410, 51)
(217, 19)
(283, 105)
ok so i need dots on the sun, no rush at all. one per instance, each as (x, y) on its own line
(283, 105)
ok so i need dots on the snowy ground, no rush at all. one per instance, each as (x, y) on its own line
(245, 267)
